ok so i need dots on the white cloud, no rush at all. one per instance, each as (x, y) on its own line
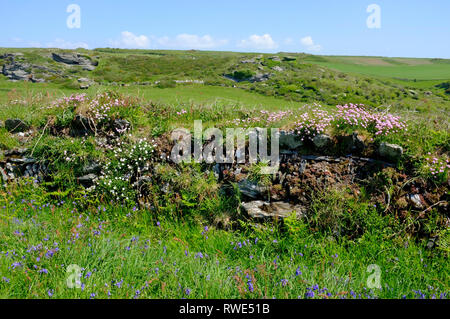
(309, 44)
(197, 42)
(190, 41)
(63, 44)
(129, 40)
(182, 41)
(259, 42)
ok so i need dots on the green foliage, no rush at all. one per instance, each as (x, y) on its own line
(121, 235)
(163, 84)
(66, 158)
(187, 193)
(242, 75)
(121, 173)
(333, 213)
(6, 140)
(126, 254)
(256, 174)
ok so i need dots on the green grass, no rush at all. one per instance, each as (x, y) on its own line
(198, 94)
(112, 243)
(127, 254)
(399, 68)
(370, 80)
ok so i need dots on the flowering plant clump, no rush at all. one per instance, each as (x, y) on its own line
(129, 162)
(437, 168)
(105, 106)
(356, 115)
(101, 108)
(312, 123)
(70, 102)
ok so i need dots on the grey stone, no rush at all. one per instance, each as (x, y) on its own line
(260, 77)
(321, 141)
(251, 189)
(92, 168)
(16, 125)
(390, 151)
(85, 83)
(278, 68)
(22, 161)
(290, 141)
(415, 201)
(261, 210)
(17, 72)
(87, 180)
(275, 58)
(75, 59)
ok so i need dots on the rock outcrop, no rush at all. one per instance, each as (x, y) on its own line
(290, 141)
(75, 59)
(391, 152)
(260, 210)
(321, 141)
(251, 189)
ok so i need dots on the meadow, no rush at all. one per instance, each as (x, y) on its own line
(147, 228)
(398, 68)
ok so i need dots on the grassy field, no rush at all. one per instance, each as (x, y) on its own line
(184, 235)
(114, 252)
(183, 94)
(398, 68)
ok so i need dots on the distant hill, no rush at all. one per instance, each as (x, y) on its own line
(399, 82)
(400, 68)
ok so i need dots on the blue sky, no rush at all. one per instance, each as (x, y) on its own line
(409, 28)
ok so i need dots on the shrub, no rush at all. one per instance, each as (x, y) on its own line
(357, 116)
(129, 162)
(242, 75)
(102, 108)
(336, 213)
(163, 84)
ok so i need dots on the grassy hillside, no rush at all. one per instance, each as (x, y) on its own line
(87, 182)
(399, 68)
(297, 78)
